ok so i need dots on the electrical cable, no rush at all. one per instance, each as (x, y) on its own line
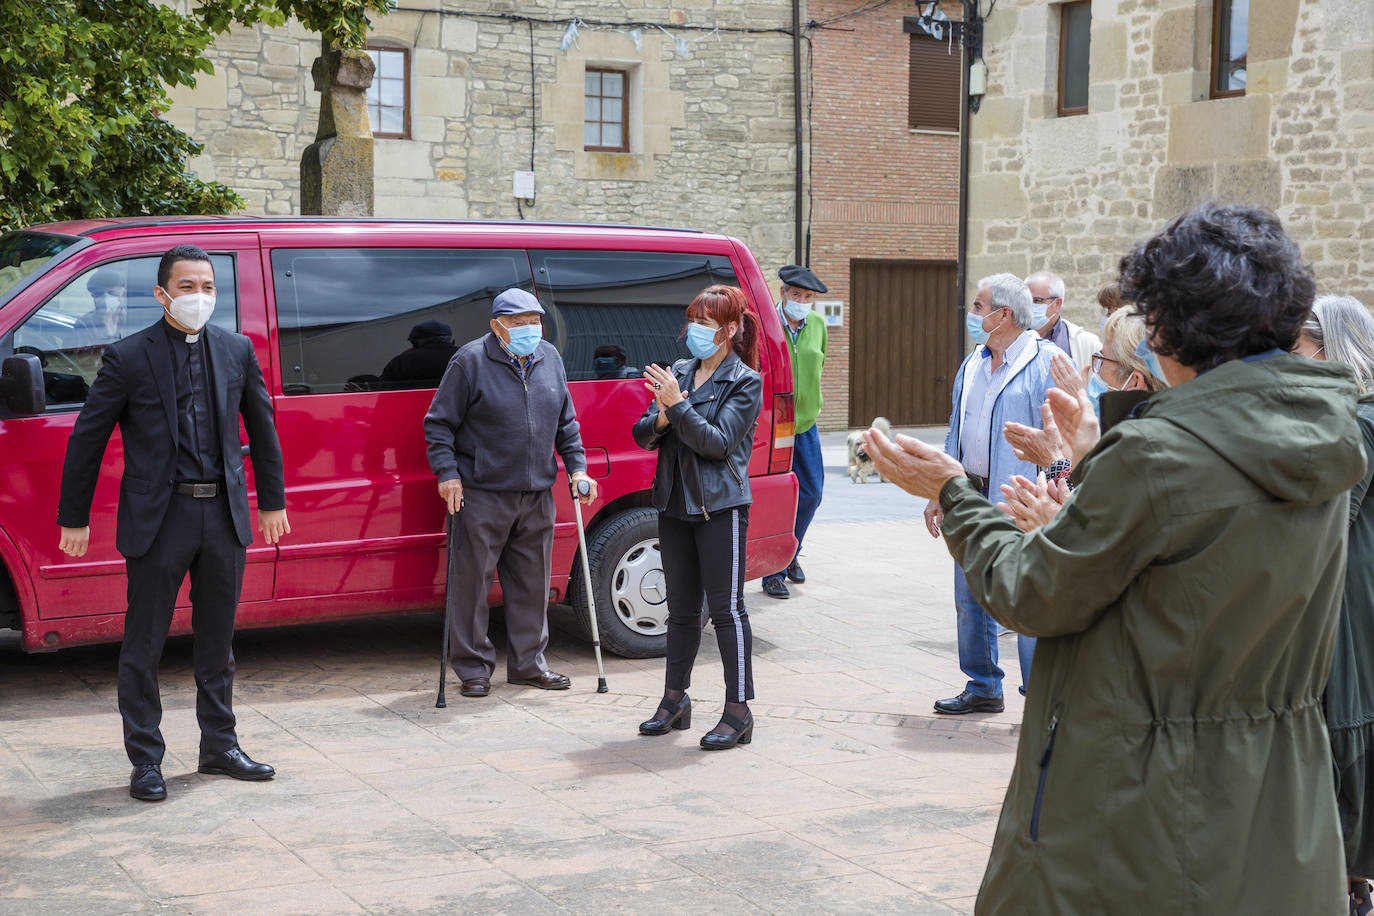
(602, 23)
(822, 23)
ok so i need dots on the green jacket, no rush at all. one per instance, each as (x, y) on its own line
(1173, 756)
(808, 359)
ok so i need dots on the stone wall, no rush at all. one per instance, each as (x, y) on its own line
(1072, 194)
(712, 147)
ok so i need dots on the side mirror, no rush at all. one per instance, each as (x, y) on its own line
(21, 384)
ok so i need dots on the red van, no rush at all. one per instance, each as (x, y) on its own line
(329, 303)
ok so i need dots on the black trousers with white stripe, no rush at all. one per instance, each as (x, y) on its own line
(706, 558)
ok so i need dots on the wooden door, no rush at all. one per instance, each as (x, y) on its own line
(905, 343)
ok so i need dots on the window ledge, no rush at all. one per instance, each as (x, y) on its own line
(933, 133)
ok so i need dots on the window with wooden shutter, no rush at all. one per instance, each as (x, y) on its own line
(934, 83)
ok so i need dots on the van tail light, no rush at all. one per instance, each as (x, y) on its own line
(784, 424)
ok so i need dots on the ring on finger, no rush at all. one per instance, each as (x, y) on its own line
(658, 386)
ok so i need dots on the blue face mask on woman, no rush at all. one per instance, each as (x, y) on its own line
(524, 338)
(701, 340)
(1151, 361)
(1096, 388)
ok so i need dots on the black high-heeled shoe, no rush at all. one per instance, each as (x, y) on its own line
(743, 734)
(669, 716)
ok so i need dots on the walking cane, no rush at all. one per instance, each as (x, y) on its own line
(583, 488)
(439, 701)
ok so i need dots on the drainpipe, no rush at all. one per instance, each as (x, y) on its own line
(961, 271)
(797, 121)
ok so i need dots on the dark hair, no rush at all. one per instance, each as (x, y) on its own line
(1109, 297)
(179, 253)
(618, 353)
(1219, 283)
(724, 304)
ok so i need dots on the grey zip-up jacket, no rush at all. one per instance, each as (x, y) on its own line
(495, 431)
(711, 434)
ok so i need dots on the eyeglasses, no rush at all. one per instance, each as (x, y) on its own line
(1099, 359)
(1044, 300)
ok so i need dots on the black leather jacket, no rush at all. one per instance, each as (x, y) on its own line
(711, 434)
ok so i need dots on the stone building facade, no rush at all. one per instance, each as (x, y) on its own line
(1073, 193)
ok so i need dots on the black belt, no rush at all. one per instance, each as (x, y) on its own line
(198, 489)
(980, 482)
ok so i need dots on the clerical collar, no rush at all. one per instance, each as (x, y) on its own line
(190, 338)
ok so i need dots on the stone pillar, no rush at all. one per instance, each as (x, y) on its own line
(336, 170)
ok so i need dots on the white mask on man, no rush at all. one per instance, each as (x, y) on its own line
(192, 310)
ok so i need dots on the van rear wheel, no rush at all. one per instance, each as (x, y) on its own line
(628, 584)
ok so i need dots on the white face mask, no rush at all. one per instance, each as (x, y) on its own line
(192, 310)
(109, 302)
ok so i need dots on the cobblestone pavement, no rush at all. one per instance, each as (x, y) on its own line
(854, 797)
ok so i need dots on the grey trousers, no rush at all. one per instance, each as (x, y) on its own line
(508, 532)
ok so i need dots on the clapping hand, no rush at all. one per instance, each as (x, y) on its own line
(1032, 505)
(1041, 447)
(1078, 426)
(1066, 374)
(918, 468)
(662, 384)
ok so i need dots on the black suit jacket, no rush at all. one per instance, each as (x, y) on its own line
(135, 389)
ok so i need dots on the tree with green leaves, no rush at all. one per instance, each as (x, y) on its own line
(82, 85)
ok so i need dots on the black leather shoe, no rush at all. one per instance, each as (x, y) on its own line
(966, 703)
(145, 783)
(743, 733)
(545, 680)
(794, 572)
(669, 716)
(775, 588)
(476, 687)
(234, 762)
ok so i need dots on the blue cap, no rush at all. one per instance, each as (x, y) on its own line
(515, 301)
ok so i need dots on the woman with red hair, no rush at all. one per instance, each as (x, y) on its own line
(701, 421)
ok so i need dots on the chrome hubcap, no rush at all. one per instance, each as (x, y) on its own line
(639, 593)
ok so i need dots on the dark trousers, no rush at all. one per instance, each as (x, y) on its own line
(706, 558)
(510, 533)
(809, 467)
(197, 536)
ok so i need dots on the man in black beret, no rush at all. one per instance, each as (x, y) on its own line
(806, 341)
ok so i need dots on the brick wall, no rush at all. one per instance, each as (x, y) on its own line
(880, 189)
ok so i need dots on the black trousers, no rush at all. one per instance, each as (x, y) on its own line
(706, 559)
(197, 536)
(509, 533)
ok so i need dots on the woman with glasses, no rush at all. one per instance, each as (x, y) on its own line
(1341, 330)
(701, 422)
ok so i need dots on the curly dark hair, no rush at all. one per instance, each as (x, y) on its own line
(1218, 283)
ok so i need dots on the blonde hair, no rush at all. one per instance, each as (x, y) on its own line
(1122, 333)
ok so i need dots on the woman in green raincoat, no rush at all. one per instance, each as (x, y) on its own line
(1173, 755)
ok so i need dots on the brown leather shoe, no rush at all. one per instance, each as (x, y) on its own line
(545, 680)
(476, 687)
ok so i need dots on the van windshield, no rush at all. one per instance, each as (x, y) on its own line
(23, 253)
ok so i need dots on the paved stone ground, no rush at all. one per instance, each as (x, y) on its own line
(852, 798)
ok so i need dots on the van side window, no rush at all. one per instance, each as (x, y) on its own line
(107, 303)
(361, 319)
(613, 312)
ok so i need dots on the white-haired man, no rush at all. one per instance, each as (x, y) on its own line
(1005, 378)
(1047, 303)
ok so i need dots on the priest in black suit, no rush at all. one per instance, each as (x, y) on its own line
(176, 390)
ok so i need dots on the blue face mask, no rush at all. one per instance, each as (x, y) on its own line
(604, 365)
(974, 325)
(701, 340)
(1097, 388)
(795, 310)
(1151, 361)
(1040, 314)
(524, 338)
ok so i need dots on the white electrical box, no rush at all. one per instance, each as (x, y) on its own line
(832, 310)
(524, 185)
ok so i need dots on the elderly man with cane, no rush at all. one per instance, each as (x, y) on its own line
(499, 416)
